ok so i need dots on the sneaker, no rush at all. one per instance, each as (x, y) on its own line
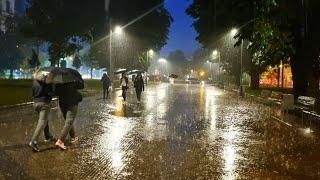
(61, 145)
(74, 140)
(52, 139)
(34, 146)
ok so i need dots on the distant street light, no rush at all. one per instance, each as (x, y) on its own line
(234, 32)
(163, 61)
(211, 74)
(150, 53)
(118, 30)
(217, 54)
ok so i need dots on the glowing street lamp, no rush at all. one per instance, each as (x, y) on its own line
(162, 60)
(151, 52)
(215, 53)
(118, 30)
(234, 32)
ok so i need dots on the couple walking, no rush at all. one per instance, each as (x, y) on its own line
(69, 97)
(138, 85)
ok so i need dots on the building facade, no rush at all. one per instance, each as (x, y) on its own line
(9, 8)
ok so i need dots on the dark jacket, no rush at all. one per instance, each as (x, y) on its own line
(139, 84)
(68, 95)
(105, 81)
(41, 92)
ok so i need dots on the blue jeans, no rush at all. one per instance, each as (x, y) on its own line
(44, 111)
(69, 115)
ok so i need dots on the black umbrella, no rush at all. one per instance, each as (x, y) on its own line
(55, 75)
(120, 71)
(174, 76)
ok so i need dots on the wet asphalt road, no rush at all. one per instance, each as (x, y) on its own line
(178, 132)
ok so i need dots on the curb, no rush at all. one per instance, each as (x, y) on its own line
(20, 105)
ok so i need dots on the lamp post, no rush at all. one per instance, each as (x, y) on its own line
(163, 61)
(210, 63)
(233, 33)
(217, 54)
(149, 53)
(118, 31)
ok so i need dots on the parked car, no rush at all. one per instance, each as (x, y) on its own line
(193, 81)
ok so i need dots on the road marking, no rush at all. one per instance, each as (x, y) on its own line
(278, 119)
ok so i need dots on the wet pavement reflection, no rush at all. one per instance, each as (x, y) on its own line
(177, 132)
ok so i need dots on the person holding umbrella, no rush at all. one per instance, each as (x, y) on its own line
(42, 95)
(105, 84)
(124, 82)
(139, 86)
(67, 82)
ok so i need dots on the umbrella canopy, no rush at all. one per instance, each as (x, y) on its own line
(120, 71)
(135, 72)
(173, 76)
(54, 75)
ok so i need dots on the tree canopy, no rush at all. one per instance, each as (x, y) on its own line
(11, 40)
(64, 24)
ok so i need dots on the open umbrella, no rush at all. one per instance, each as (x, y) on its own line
(135, 72)
(54, 75)
(174, 76)
(120, 71)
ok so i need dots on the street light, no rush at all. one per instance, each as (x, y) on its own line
(162, 61)
(210, 63)
(216, 54)
(149, 53)
(234, 31)
(118, 30)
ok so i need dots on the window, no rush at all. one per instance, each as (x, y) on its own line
(8, 8)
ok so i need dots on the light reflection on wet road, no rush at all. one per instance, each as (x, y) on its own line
(178, 132)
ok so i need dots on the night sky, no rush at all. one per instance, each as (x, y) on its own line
(182, 35)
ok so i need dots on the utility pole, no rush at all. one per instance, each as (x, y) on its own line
(241, 93)
(110, 50)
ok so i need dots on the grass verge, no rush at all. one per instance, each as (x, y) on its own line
(19, 91)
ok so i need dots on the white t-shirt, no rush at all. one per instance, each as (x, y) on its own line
(123, 82)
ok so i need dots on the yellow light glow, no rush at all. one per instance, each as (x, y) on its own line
(202, 73)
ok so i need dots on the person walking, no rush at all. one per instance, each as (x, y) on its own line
(124, 82)
(139, 86)
(105, 84)
(69, 98)
(42, 95)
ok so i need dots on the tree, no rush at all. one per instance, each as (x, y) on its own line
(258, 20)
(76, 62)
(11, 40)
(199, 57)
(95, 58)
(139, 36)
(178, 62)
(34, 62)
(144, 60)
(64, 24)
